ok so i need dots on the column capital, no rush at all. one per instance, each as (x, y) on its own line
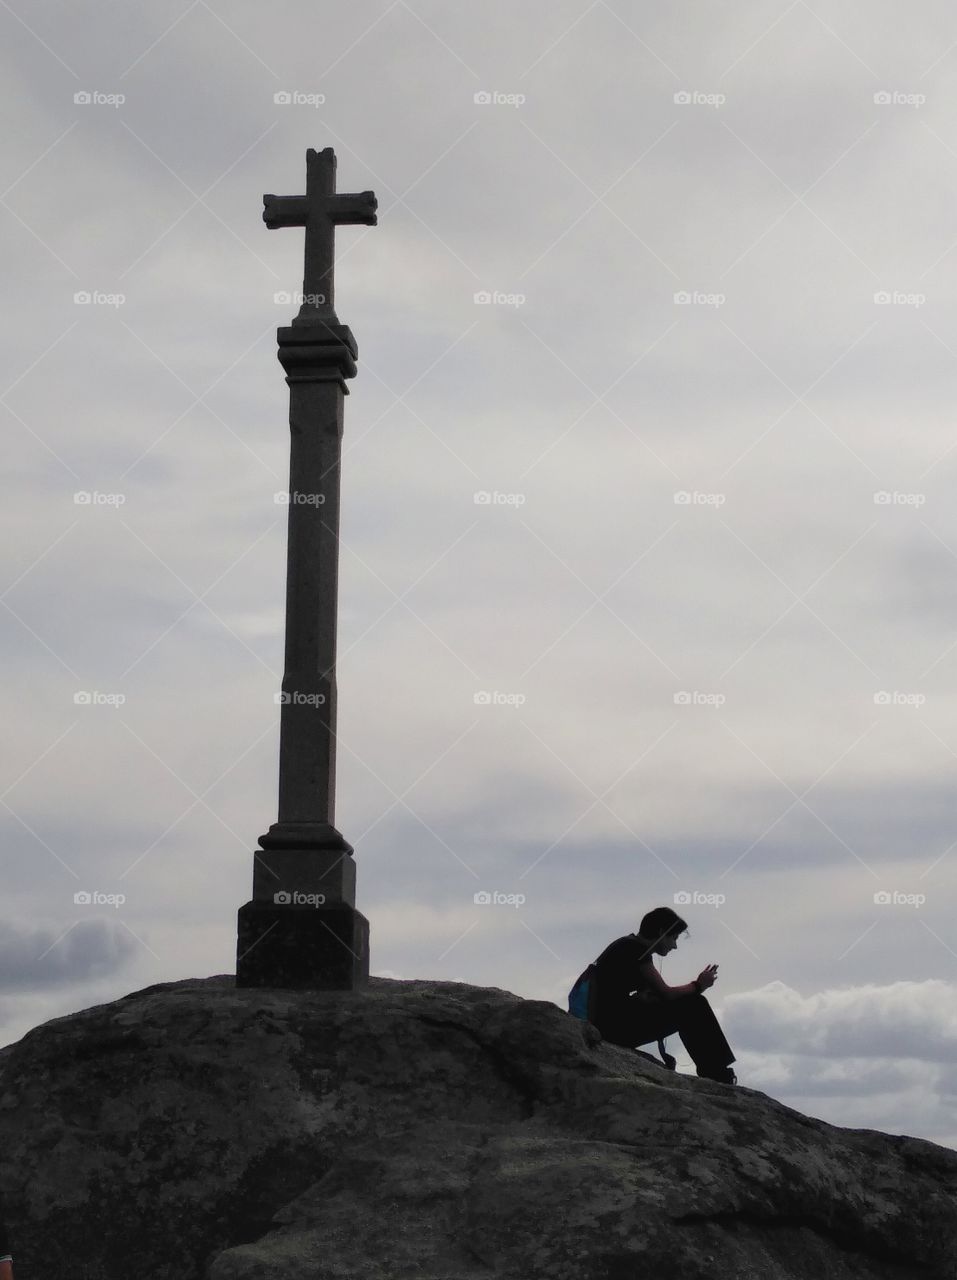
(305, 835)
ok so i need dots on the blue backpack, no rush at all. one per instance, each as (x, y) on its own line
(581, 998)
(582, 1004)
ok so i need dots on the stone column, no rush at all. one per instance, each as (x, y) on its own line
(302, 929)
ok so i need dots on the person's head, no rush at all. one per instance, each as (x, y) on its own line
(662, 927)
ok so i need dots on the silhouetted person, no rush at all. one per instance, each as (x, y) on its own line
(656, 1010)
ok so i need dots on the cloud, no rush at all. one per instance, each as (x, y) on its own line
(899, 1021)
(42, 958)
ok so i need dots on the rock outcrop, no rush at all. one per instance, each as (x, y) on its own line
(429, 1131)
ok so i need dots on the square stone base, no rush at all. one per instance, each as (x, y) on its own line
(302, 948)
(331, 874)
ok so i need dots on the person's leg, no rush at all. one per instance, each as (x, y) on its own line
(695, 1022)
(702, 1036)
(638, 1022)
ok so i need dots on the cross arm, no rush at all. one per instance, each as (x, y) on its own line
(294, 211)
(359, 208)
(285, 211)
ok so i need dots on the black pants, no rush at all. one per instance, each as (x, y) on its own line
(641, 1021)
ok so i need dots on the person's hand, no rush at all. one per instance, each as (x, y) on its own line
(707, 977)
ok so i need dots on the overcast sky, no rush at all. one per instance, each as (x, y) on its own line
(710, 605)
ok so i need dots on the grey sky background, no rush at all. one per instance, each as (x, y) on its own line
(792, 171)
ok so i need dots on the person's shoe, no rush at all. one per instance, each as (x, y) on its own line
(724, 1075)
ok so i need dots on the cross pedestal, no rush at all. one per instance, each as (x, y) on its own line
(301, 929)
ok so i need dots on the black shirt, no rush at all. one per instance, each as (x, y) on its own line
(622, 968)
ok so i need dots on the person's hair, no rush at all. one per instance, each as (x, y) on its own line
(661, 923)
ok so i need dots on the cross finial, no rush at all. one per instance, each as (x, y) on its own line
(320, 210)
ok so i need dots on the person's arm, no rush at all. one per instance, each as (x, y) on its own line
(6, 1268)
(657, 984)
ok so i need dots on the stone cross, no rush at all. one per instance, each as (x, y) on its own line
(320, 211)
(302, 929)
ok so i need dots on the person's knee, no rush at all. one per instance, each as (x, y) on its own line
(690, 1007)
